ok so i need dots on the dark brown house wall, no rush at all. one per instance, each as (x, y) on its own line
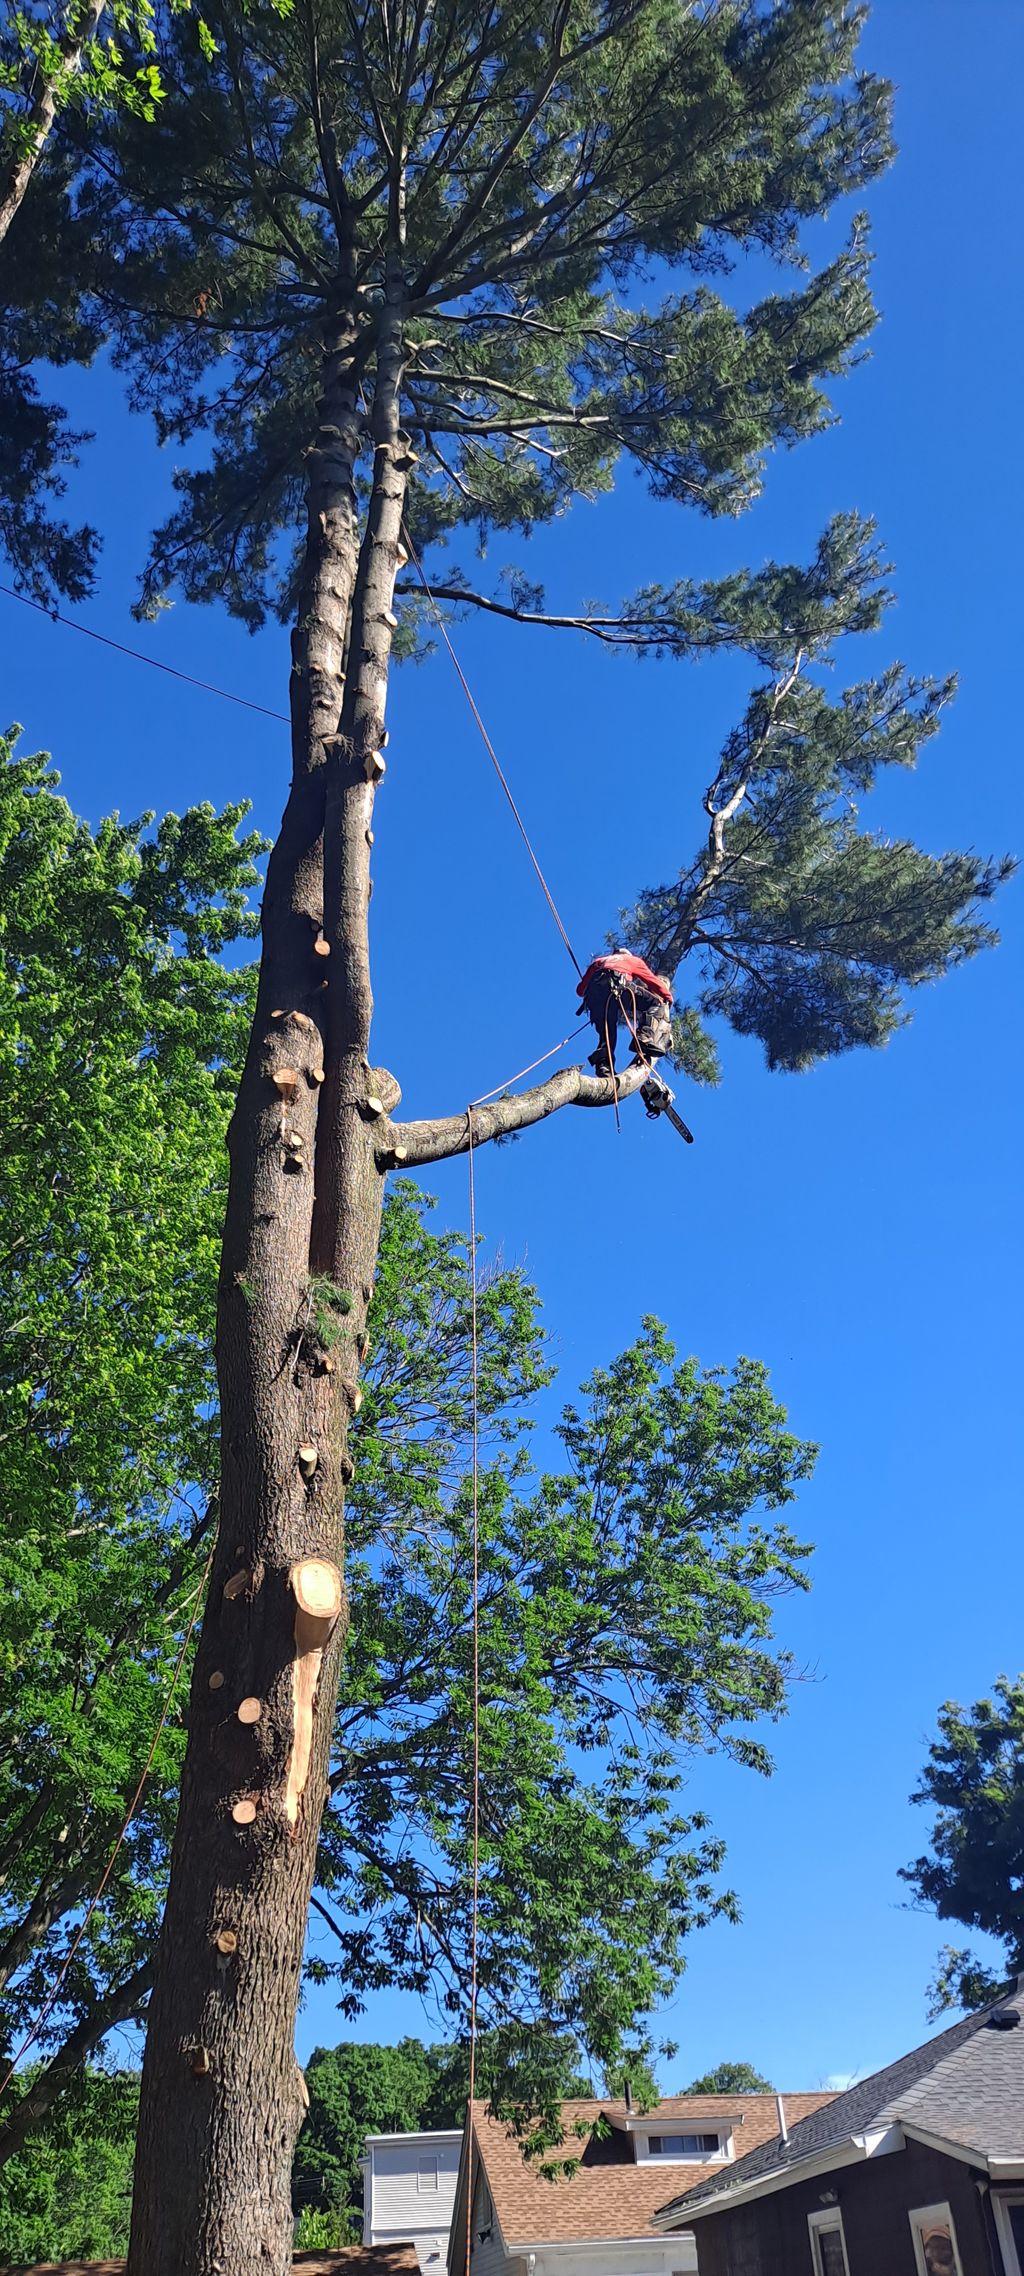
(770, 2237)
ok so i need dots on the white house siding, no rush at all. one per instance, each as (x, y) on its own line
(676, 2257)
(397, 2208)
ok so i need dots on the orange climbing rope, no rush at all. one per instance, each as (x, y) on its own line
(51, 2000)
(475, 1807)
(488, 745)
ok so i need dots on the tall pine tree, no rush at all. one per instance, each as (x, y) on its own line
(394, 261)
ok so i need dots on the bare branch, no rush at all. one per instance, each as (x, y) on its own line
(412, 1143)
(617, 631)
(121, 2005)
(716, 860)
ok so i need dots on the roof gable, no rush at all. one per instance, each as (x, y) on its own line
(609, 2197)
(970, 2077)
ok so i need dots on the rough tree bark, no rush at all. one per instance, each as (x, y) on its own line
(222, 2097)
(310, 1144)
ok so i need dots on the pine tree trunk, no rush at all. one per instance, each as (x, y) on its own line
(222, 2097)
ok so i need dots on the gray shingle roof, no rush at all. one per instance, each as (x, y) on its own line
(966, 2085)
(976, 2095)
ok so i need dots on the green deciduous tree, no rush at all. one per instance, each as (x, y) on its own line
(358, 2089)
(53, 58)
(627, 1589)
(421, 272)
(974, 1870)
(68, 2195)
(120, 1028)
(730, 2078)
(355, 2090)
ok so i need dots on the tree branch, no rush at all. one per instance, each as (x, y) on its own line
(119, 2006)
(617, 631)
(716, 860)
(411, 1144)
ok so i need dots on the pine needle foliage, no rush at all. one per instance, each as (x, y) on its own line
(576, 193)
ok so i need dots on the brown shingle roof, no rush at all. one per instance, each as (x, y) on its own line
(609, 2195)
(352, 2260)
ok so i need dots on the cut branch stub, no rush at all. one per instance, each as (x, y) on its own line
(317, 1588)
(301, 1019)
(315, 1584)
(226, 1941)
(250, 1711)
(217, 1679)
(245, 1809)
(285, 1081)
(238, 1584)
(382, 1084)
(307, 1457)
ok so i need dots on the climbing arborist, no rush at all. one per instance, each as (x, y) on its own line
(622, 987)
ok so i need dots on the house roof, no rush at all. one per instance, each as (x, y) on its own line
(409, 2134)
(352, 2260)
(609, 2196)
(964, 2088)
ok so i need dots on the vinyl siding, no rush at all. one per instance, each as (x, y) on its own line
(399, 2209)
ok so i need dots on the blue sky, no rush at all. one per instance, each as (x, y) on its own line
(857, 1228)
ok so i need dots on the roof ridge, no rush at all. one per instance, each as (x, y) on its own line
(865, 2108)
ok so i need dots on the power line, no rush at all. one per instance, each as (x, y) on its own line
(140, 656)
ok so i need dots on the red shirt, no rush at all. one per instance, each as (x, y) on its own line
(628, 968)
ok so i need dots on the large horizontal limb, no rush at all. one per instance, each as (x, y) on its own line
(409, 1144)
(618, 631)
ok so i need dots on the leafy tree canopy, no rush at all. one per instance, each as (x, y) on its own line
(974, 1870)
(730, 2078)
(569, 199)
(626, 1590)
(67, 2195)
(357, 2089)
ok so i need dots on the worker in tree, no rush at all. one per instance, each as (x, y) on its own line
(622, 987)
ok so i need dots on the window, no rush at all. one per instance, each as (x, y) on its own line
(1009, 2214)
(935, 2248)
(684, 2145)
(828, 2244)
(426, 2175)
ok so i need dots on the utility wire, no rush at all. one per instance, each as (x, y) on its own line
(141, 657)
